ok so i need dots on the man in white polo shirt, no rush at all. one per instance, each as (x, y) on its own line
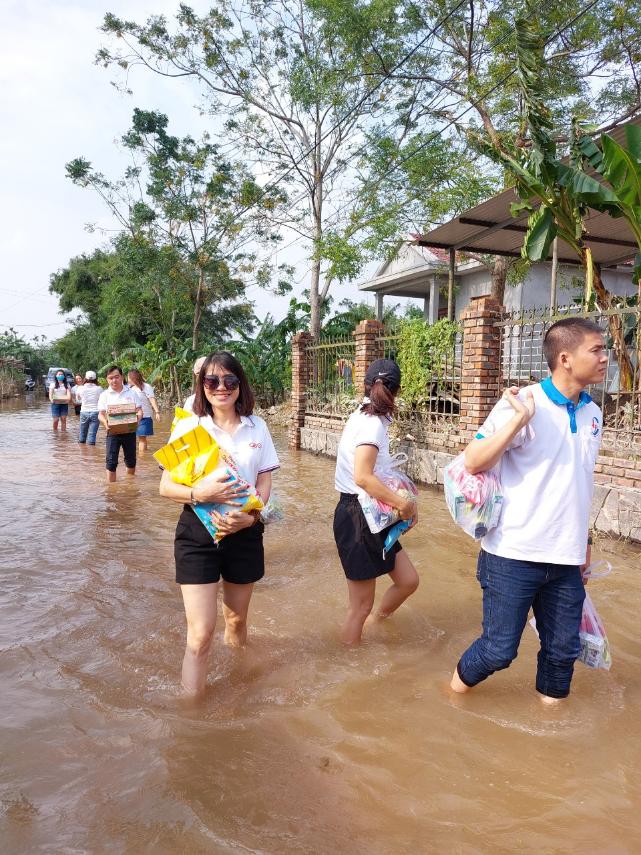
(117, 393)
(546, 438)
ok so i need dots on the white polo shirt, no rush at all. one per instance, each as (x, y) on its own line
(251, 445)
(547, 478)
(129, 395)
(145, 395)
(361, 429)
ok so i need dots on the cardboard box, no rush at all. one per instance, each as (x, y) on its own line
(122, 418)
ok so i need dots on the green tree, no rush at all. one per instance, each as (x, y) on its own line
(293, 97)
(181, 201)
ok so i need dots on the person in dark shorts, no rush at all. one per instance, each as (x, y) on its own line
(363, 451)
(118, 393)
(223, 405)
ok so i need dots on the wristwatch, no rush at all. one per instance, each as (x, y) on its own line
(192, 501)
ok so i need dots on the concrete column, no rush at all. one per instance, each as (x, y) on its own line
(434, 301)
(379, 305)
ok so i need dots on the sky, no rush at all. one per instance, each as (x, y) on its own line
(56, 104)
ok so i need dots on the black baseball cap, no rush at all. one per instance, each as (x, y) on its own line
(385, 370)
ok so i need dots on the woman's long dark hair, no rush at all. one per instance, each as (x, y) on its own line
(245, 403)
(59, 383)
(137, 378)
(382, 400)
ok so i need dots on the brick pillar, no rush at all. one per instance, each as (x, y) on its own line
(481, 368)
(367, 350)
(300, 380)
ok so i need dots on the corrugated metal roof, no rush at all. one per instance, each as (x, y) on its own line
(489, 228)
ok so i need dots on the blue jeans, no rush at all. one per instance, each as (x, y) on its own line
(88, 427)
(510, 587)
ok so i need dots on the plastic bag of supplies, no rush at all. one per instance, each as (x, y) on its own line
(475, 502)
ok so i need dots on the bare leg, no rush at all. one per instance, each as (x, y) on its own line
(200, 603)
(111, 476)
(405, 579)
(55, 424)
(142, 444)
(457, 685)
(361, 600)
(235, 607)
(131, 471)
(63, 423)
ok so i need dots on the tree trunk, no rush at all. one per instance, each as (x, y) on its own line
(499, 275)
(615, 325)
(198, 309)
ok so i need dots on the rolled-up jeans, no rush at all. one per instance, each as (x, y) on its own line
(88, 427)
(510, 587)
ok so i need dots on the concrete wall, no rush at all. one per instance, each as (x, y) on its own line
(534, 291)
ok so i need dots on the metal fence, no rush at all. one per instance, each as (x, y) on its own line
(522, 362)
(330, 387)
(331, 390)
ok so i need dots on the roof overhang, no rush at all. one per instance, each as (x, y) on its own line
(490, 228)
(405, 283)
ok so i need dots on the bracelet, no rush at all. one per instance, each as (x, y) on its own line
(192, 501)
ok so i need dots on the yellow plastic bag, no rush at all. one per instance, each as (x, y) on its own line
(189, 445)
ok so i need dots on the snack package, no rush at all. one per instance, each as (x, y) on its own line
(272, 512)
(394, 533)
(595, 649)
(475, 502)
(253, 502)
(195, 456)
(380, 515)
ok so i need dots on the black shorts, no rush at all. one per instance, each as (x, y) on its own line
(360, 551)
(113, 444)
(239, 558)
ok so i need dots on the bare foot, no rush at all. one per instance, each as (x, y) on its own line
(550, 702)
(457, 685)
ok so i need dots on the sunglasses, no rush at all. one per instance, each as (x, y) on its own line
(212, 381)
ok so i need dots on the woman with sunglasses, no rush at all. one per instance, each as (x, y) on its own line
(223, 405)
(363, 453)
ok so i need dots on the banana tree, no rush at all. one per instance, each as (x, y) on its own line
(557, 195)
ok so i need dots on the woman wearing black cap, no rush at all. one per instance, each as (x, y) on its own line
(363, 452)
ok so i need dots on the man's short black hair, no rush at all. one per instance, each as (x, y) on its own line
(566, 334)
(114, 368)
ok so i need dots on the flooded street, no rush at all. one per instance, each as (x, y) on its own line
(300, 746)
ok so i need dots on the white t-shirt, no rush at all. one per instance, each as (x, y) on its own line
(547, 478)
(361, 429)
(75, 394)
(59, 393)
(127, 396)
(89, 393)
(251, 445)
(145, 395)
(189, 403)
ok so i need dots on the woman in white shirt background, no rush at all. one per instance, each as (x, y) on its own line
(149, 407)
(89, 394)
(363, 453)
(60, 397)
(223, 405)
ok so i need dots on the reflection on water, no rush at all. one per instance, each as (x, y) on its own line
(300, 746)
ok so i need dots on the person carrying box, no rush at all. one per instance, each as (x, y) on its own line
(119, 411)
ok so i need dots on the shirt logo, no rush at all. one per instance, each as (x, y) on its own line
(255, 445)
(595, 426)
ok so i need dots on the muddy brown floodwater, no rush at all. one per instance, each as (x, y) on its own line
(300, 746)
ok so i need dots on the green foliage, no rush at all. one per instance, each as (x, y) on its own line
(421, 349)
(36, 355)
